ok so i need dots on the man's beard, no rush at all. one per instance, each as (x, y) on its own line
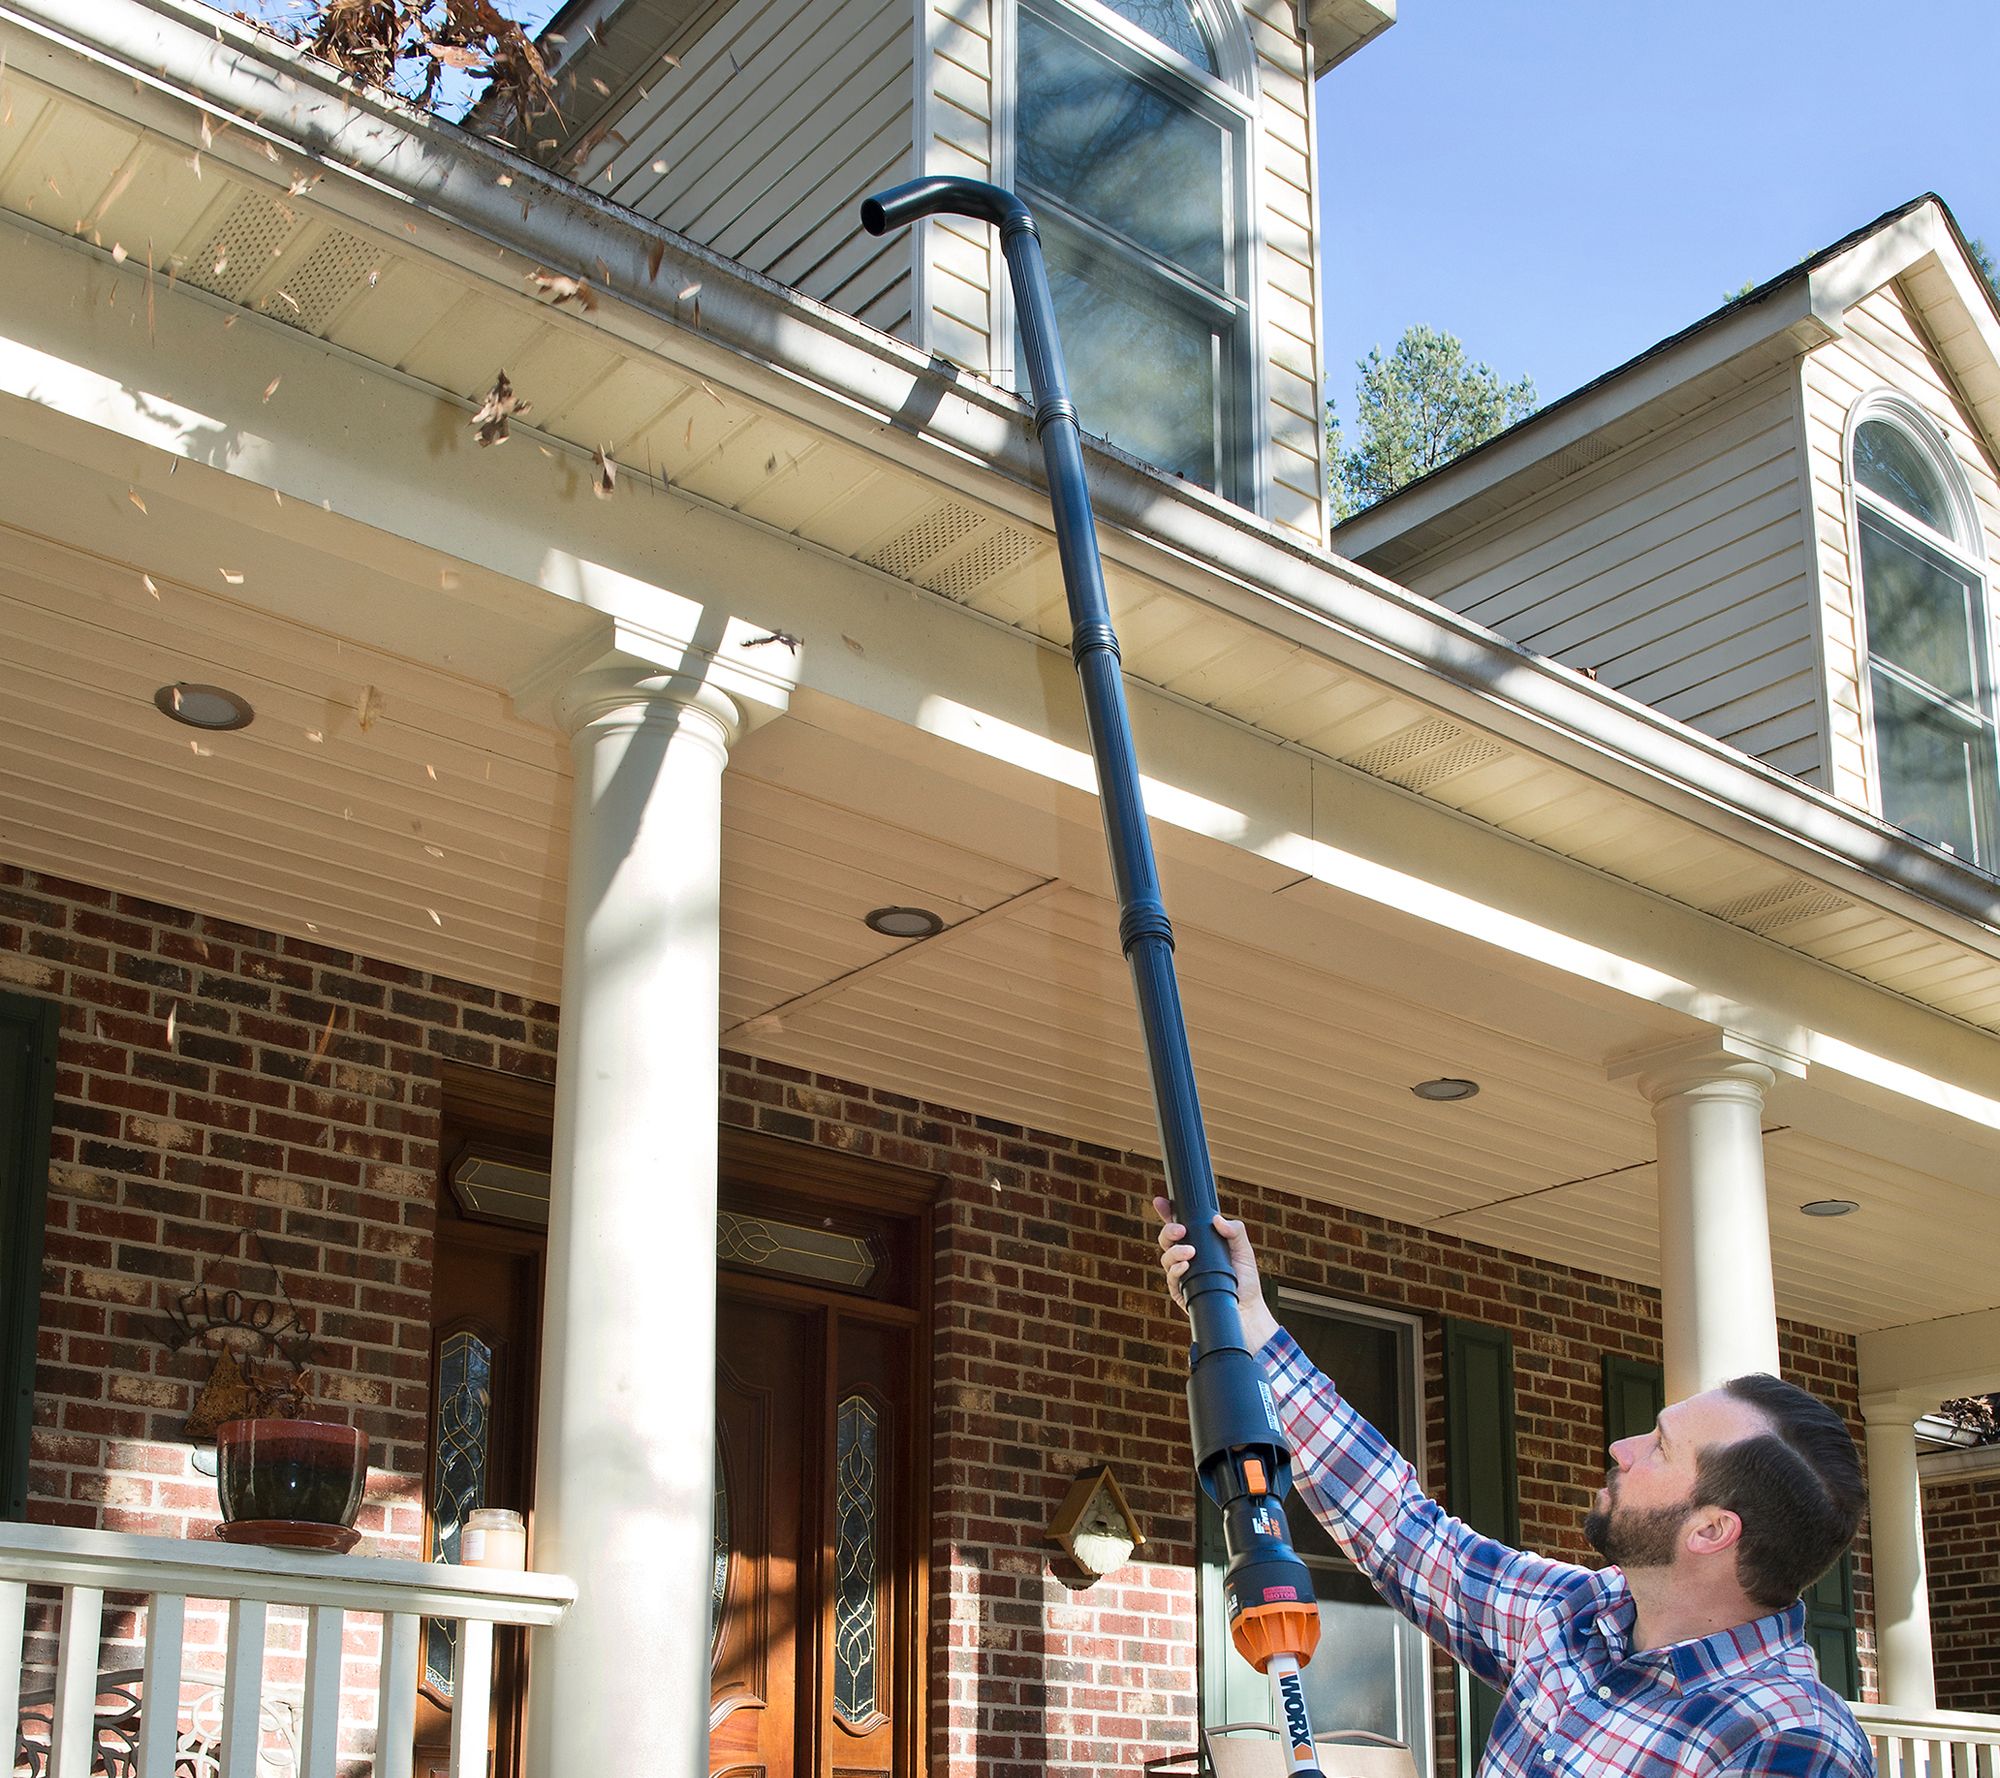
(1639, 1537)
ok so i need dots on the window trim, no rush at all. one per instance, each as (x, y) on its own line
(1244, 456)
(1967, 552)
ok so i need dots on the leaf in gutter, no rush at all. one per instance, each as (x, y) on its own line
(563, 288)
(496, 410)
(605, 480)
(654, 254)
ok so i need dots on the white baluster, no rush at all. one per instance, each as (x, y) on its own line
(471, 1698)
(396, 1721)
(73, 1729)
(13, 1624)
(325, 1627)
(243, 1689)
(1890, 1757)
(160, 1696)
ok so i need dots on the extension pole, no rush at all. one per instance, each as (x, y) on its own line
(1240, 1452)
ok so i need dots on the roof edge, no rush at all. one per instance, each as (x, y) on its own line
(156, 61)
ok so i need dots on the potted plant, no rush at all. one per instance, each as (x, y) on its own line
(284, 1476)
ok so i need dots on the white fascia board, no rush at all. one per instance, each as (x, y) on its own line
(436, 188)
(1335, 29)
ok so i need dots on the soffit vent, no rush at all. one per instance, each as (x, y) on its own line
(1789, 902)
(241, 250)
(1426, 753)
(908, 551)
(1581, 455)
(980, 562)
(310, 295)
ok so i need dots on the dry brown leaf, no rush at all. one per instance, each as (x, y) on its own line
(147, 581)
(499, 407)
(603, 273)
(654, 254)
(271, 388)
(132, 494)
(605, 479)
(117, 253)
(452, 55)
(233, 575)
(563, 288)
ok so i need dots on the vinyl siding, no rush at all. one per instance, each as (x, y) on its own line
(1885, 347)
(966, 128)
(1675, 569)
(762, 143)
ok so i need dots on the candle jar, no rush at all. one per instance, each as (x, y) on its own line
(494, 1537)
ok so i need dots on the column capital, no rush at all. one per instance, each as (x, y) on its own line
(1895, 1407)
(1727, 1064)
(647, 693)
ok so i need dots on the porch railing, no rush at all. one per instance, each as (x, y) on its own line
(167, 1572)
(1931, 1743)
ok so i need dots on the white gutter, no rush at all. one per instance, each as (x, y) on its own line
(160, 62)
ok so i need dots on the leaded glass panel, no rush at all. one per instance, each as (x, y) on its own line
(719, 1527)
(857, 1537)
(461, 1435)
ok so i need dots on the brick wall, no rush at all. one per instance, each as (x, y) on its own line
(215, 1080)
(1962, 1565)
(1055, 1350)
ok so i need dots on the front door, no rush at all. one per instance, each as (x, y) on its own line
(820, 1508)
(821, 1501)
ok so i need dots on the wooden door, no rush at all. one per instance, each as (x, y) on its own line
(814, 1634)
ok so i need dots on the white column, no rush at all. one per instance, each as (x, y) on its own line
(625, 1440)
(1904, 1675)
(1718, 1312)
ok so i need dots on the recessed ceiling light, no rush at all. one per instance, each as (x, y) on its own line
(203, 706)
(1829, 1207)
(904, 922)
(1446, 1088)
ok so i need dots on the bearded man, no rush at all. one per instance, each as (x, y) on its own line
(1687, 1655)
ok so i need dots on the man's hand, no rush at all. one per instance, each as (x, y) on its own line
(1259, 1324)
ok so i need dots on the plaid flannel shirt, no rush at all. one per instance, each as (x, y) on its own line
(1556, 1639)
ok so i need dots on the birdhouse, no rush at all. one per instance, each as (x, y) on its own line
(1094, 1526)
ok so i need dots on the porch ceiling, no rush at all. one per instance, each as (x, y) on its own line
(245, 219)
(409, 813)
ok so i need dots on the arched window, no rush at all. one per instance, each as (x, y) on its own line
(1130, 147)
(1930, 654)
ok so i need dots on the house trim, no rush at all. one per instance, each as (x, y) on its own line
(885, 397)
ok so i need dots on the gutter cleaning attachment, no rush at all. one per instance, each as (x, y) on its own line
(1240, 1452)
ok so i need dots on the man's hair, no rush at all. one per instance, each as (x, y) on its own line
(1797, 1488)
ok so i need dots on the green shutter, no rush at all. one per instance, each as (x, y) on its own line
(1830, 1628)
(1480, 1478)
(27, 1106)
(1634, 1393)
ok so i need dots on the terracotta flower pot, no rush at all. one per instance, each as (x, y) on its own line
(294, 1474)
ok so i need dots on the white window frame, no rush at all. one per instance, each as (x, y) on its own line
(1234, 89)
(1966, 550)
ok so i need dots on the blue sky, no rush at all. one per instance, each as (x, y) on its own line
(1561, 183)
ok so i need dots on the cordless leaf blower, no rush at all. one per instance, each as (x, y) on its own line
(1240, 1452)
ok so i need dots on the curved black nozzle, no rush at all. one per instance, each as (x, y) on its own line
(902, 205)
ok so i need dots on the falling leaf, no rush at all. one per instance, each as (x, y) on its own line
(654, 254)
(691, 290)
(505, 179)
(453, 56)
(310, 927)
(271, 152)
(117, 253)
(710, 393)
(132, 495)
(435, 851)
(435, 921)
(233, 575)
(286, 296)
(199, 751)
(659, 166)
(368, 706)
(298, 186)
(601, 87)
(147, 580)
(499, 407)
(271, 388)
(207, 134)
(325, 1037)
(313, 734)
(563, 288)
(606, 478)
(221, 264)
(173, 1021)
(603, 273)
(430, 771)
(194, 160)
(448, 580)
